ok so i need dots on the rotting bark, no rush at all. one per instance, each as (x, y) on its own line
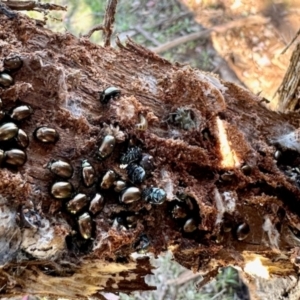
(217, 163)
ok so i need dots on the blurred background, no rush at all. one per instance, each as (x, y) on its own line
(240, 40)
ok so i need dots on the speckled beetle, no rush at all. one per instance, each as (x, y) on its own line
(8, 131)
(21, 112)
(6, 80)
(142, 244)
(108, 94)
(132, 154)
(107, 146)
(136, 174)
(77, 203)
(154, 195)
(15, 157)
(61, 168)
(147, 162)
(62, 190)
(46, 134)
(85, 226)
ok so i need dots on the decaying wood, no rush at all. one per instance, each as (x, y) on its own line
(32, 5)
(216, 161)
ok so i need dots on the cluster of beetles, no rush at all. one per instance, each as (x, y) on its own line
(14, 141)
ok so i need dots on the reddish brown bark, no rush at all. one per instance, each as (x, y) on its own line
(218, 164)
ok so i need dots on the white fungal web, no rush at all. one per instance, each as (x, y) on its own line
(290, 140)
(273, 234)
(73, 104)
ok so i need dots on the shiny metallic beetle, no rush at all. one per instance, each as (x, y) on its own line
(183, 117)
(242, 231)
(8, 131)
(61, 168)
(15, 157)
(96, 204)
(190, 225)
(6, 80)
(62, 190)
(136, 174)
(30, 218)
(147, 162)
(108, 179)
(46, 134)
(143, 124)
(178, 212)
(227, 225)
(85, 226)
(132, 154)
(21, 112)
(246, 169)
(154, 195)
(227, 176)
(277, 154)
(88, 173)
(2, 156)
(77, 203)
(107, 146)
(12, 63)
(142, 244)
(108, 94)
(22, 139)
(120, 185)
(130, 195)
(131, 221)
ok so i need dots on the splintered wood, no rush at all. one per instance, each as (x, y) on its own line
(128, 153)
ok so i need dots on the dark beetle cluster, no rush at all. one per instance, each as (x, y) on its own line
(183, 210)
(239, 229)
(77, 201)
(12, 138)
(10, 65)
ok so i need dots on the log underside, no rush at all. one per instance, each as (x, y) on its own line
(60, 79)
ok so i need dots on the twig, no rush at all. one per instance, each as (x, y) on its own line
(291, 42)
(107, 25)
(205, 33)
(185, 277)
(32, 5)
(92, 30)
(218, 294)
(146, 35)
(109, 20)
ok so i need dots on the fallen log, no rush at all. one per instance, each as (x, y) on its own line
(129, 153)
